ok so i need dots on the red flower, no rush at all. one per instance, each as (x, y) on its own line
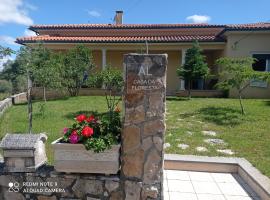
(87, 131)
(90, 119)
(81, 118)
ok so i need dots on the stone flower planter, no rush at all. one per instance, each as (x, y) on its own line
(74, 158)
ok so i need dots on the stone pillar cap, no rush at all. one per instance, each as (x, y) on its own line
(22, 141)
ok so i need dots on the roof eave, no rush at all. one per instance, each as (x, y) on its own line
(241, 30)
(118, 42)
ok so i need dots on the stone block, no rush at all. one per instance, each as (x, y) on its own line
(147, 143)
(152, 167)
(149, 192)
(111, 185)
(133, 163)
(131, 138)
(46, 198)
(133, 190)
(92, 198)
(154, 127)
(132, 100)
(136, 115)
(158, 142)
(117, 195)
(83, 187)
(13, 196)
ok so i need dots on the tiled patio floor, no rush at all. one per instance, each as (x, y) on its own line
(188, 185)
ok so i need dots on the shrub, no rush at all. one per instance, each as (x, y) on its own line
(95, 81)
(5, 86)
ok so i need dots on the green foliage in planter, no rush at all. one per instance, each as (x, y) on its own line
(97, 132)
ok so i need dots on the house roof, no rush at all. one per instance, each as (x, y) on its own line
(134, 33)
(117, 39)
(119, 26)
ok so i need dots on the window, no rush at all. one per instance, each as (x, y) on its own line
(262, 64)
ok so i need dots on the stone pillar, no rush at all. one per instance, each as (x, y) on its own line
(144, 126)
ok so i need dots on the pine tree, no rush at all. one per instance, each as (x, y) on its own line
(194, 67)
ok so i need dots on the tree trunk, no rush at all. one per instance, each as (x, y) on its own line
(29, 100)
(44, 94)
(240, 101)
(189, 89)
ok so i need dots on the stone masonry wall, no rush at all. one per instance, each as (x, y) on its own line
(15, 99)
(6, 103)
(47, 184)
(144, 126)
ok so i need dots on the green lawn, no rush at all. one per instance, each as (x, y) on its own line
(248, 136)
(58, 114)
(4, 95)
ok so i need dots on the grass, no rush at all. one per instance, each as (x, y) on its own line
(248, 136)
(58, 114)
(4, 95)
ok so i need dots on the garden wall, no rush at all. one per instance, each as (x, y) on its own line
(46, 184)
(19, 98)
(6, 103)
(201, 93)
(14, 99)
(37, 93)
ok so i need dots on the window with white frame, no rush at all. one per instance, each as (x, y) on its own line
(261, 64)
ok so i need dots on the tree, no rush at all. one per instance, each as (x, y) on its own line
(44, 69)
(10, 73)
(15, 71)
(24, 58)
(5, 51)
(237, 73)
(75, 64)
(112, 81)
(194, 67)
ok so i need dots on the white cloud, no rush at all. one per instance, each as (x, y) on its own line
(28, 32)
(198, 19)
(93, 13)
(15, 11)
(8, 40)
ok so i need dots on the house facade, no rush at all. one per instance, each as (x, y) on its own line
(109, 42)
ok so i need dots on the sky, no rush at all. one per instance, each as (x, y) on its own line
(17, 15)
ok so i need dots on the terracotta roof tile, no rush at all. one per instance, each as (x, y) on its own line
(117, 39)
(260, 25)
(151, 26)
(119, 26)
(135, 33)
